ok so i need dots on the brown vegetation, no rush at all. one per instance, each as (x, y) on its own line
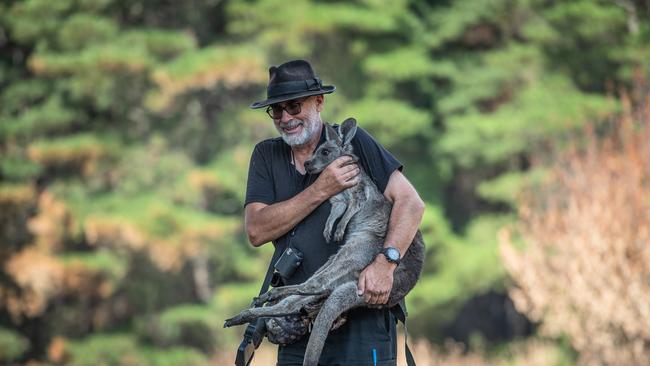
(586, 267)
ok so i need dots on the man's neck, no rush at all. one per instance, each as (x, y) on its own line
(304, 151)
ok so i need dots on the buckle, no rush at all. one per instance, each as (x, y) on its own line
(313, 84)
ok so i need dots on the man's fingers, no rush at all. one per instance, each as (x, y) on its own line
(350, 169)
(371, 296)
(349, 177)
(366, 296)
(343, 160)
(361, 285)
(376, 297)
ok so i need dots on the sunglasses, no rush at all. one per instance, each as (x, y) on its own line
(292, 107)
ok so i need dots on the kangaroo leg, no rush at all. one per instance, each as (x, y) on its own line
(288, 306)
(318, 283)
(342, 299)
(337, 270)
(311, 287)
(343, 223)
(338, 208)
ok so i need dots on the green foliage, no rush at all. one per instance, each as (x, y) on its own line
(507, 187)
(538, 112)
(124, 125)
(186, 325)
(46, 118)
(123, 350)
(400, 65)
(101, 261)
(174, 356)
(12, 345)
(389, 121)
(83, 30)
(464, 266)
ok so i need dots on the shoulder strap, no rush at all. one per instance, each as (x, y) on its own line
(254, 333)
(265, 285)
(400, 312)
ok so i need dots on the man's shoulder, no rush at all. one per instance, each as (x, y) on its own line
(269, 144)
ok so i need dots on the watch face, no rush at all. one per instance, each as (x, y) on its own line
(392, 254)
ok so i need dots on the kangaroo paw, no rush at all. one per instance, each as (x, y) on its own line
(268, 296)
(327, 233)
(272, 295)
(260, 300)
(338, 235)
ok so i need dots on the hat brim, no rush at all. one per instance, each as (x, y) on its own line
(326, 89)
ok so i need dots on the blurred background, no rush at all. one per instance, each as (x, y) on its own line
(125, 136)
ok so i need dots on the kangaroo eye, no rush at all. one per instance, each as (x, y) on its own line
(325, 152)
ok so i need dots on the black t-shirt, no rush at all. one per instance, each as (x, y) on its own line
(273, 178)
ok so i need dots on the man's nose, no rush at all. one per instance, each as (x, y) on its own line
(286, 117)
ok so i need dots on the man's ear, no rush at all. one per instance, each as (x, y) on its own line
(348, 130)
(331, 135)
(320, 102)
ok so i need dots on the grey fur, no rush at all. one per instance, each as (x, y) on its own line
(332, 290)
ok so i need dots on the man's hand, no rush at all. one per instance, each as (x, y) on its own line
(339, 175)
(376, 281)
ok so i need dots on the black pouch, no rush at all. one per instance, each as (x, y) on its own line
(286, 266)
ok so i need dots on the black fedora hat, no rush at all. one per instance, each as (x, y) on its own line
(291, 80)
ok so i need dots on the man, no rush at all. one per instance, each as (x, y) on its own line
(289, 207)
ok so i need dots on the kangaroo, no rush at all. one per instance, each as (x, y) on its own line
(363, 214)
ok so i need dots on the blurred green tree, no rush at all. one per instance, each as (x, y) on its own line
(125, 138)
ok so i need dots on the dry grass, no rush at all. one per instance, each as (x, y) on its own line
(530, 353)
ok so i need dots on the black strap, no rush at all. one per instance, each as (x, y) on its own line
(254, 333)
(400, 312)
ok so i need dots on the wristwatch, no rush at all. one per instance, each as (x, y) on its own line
(392, 254)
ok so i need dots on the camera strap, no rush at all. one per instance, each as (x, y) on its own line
(399, 311)
(254, 333)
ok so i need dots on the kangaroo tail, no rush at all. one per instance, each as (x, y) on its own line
(343, 298)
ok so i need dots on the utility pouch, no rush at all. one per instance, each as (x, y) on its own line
(286, 266)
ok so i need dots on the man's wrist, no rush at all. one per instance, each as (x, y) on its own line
(381, 259)
(318, 192)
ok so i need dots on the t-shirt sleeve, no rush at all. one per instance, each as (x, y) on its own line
(378, 162)
(259, 187)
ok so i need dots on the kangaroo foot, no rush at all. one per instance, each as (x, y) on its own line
(288, 306)
(279, 293)
(327, 233)
(269, 296)
(338, 234)
(241, 318)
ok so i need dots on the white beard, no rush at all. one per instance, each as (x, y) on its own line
(309, 128)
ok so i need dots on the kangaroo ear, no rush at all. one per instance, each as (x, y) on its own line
(348, 130)
(331, 135)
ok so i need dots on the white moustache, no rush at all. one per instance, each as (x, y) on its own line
(291, 124)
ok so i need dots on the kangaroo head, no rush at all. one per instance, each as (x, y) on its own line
(335, 145)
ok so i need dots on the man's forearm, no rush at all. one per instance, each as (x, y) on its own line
(376, 280)
(273, 221)
(405, 219)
